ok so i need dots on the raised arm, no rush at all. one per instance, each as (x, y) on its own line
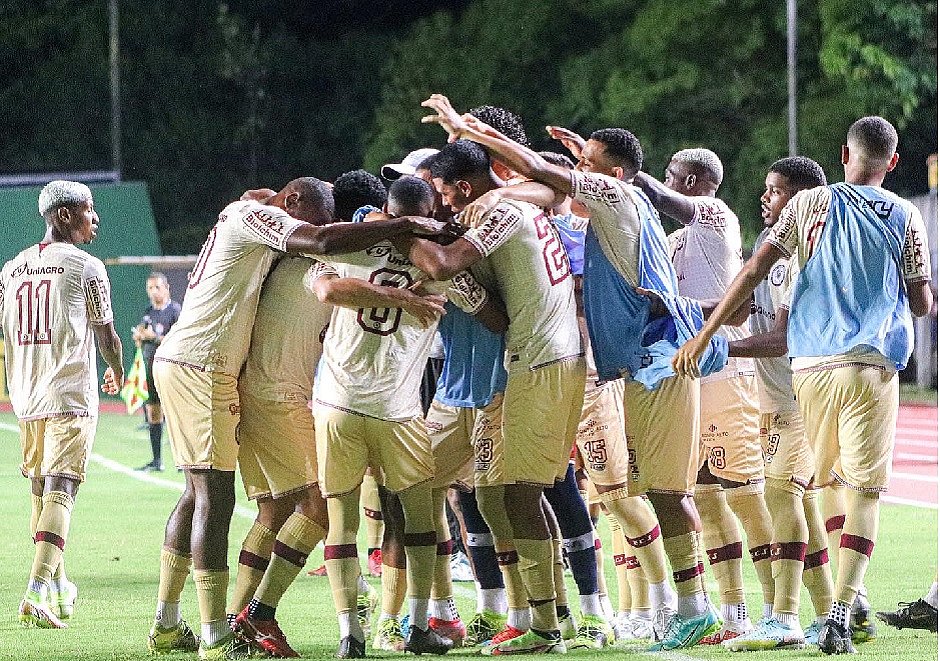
(109, 345)
(350, 237)
(356, 293)
(521, 159)
(685, 362)
(664, 199)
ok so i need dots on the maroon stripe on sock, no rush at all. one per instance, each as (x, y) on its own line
(49, 538)
(619, 559)
(420, 538)
(507, 558)
(340, 551)
(856, 543)
(788, 551)
(724, 553)
(253, 560)
(644, 540)
(835, 523)
(818, 559)
(632, 562)
(289, 553)
(373, 514)
(761, 552)
(445, 548)
(688, 574)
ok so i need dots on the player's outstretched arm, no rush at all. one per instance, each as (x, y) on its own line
(521, 159)
(441, 262)
(109, 345)
(571, 140)
(532, 192)
(772, 344)
(351, 237)
(356, 293)
(665, 200)
(685, 362)
(737, 319)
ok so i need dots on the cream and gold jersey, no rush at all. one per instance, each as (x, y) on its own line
(50, 296)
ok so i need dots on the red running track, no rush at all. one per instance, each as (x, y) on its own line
(914, 479)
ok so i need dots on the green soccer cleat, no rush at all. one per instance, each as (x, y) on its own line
(483, 626)
(366, 604)
(770, 634)
(568, 626)
(593, 633)
(682, 632)
(175, 639)
(531, 642)
(388, 636)
(230, 647)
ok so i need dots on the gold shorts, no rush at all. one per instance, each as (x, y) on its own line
(487, 443)
(663, 436)
(277, 450)
(348, 442)
(451, 432)
(601, 438)
(58, 446)
(202, 413)
(540, 413)
(850, 414)
(730, 429)
(787, 457)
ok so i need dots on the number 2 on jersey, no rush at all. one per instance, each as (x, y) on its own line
(553, 252)
(33, 325)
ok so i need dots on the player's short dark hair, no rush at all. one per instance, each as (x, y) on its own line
(555, 158)
(460, 160)
(314, 192)
(427, 162)
(875, 136)
(355, 189)
(505, 121)
(410, 196)
(622, 146)
(801, 172)
(157, 275)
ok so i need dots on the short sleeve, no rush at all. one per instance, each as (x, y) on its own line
(269, 225)
(500, 226)
(97, 289)
(916, 256)
(785, 234)
(466, 293)
(597, 191)
(316, 271)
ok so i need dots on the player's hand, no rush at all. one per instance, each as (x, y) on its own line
(110, 384)
(477, 211)
(426, 309)
(685, 362)
(446, 116)
(657, 307)
(571, 140)
(258, 194)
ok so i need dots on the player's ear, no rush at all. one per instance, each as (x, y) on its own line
(63, 214)
(894, 161)
(690, 181)
(292, 199)
(617, 172)
(464, 187)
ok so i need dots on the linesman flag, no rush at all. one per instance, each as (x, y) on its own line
(134, 392)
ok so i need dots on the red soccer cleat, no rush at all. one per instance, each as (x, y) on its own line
(375, 563)
(453, 630)
(265, 634)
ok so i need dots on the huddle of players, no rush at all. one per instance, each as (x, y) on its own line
(341, 291)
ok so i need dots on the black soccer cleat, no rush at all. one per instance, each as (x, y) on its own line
(911, 615)
(835, 639)
(426, 641)
(350, 648)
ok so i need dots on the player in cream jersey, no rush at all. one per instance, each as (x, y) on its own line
(53, 298)
(706, 253)
(196, 370)
(517, 251)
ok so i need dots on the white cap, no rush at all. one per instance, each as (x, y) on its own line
(408, 164)
(59, 193)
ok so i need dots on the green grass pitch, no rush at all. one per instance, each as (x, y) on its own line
(117, 529)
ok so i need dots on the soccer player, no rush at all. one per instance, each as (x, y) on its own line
(196, 370)
(864, 269)
(706, 253)
(623, 221)
(55, 303)
(788, 460)
(517, 251)
(277, 450)
(368, 412)
(157, 321)
(920, 614)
